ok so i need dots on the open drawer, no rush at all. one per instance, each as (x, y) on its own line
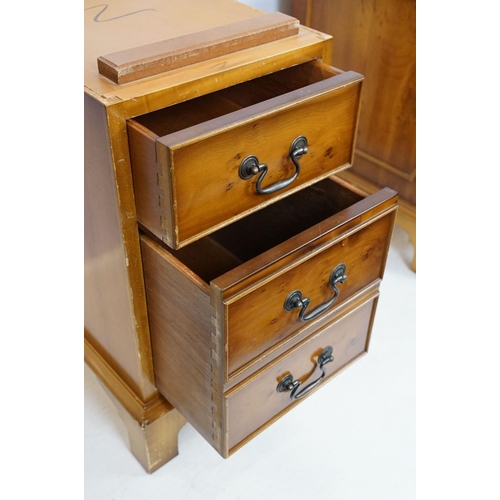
(202, 164)
(224, 307)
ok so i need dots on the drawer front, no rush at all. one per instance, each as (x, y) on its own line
(324, 266)
(256, 403)
(217, 171)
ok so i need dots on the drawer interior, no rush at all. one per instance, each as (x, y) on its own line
(247, 238)
(187, 114)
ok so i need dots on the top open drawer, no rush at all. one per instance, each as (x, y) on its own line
(204, 163)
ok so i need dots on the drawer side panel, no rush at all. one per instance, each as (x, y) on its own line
(151, 199)
(180, 317)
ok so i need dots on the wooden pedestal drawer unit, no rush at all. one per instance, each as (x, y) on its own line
(202, 164)
(236, 311)
(219, 242)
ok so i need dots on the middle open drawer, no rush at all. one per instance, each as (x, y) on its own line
(202, 164)
(223, 307)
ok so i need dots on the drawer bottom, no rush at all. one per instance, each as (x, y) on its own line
(255, 404)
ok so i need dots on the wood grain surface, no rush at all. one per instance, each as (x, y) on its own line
(209, 198)
(125, 24)
(407, 215)
(255, 404)
(205, 329)
(253, 264)
(147, 60)
(252, 273)
(116, 323)
(282, 347)
(153, 202)
(200, 163)
(180, 318)
(115, 316)
(356, 234)
(257, 321)
(378, 39)
(152, 426)
(187, 349)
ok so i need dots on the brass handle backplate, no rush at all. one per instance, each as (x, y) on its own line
(296, 301)
(250, 166)
(288, 384)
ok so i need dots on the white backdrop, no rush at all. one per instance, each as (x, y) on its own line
(270, 5)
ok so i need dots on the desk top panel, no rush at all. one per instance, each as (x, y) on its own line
(126, 24)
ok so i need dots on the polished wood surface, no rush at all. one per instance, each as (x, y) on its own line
(278, 109)
(257, 321)
(189, 290)
(122, 25)
(378, 39)
(155, 58)
(253, 294)
(116, 323)
(127, 24)
(406, 217)
(148, 423)
(154, 197)
(255, 403)
(141, 411)
(188, 360)
(302, 10)
(193, 318)
(180, 321)
(310, 327)
(155, 443)
(250, 274)
(115, 318)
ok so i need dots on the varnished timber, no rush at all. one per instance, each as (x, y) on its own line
(191, 322)
(349, 337)
(129, 24)
(406, 218)
(152, 426)
(198, 179)
(116, 320)
(256, 321)
(317, 324)
(302, 10)
(254, 292)
(154, 201)
(180, 318)
(156, 443)
(378, 39)
(147, 60)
